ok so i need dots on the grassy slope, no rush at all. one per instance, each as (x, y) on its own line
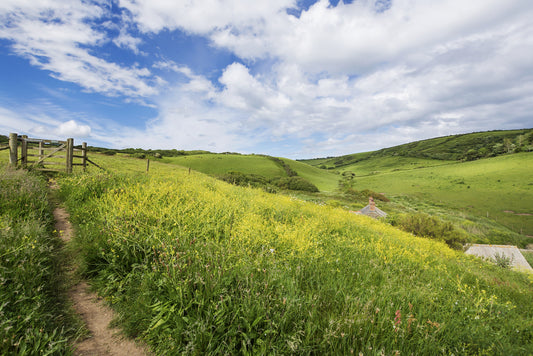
(324, 180)
(390, 164)
(440, 148)
(222, 163)
(479, 187)
(199, 266)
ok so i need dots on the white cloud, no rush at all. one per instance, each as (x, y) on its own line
(42, 120)
(55, 36)
(72, 128)
(125, 40)
(339, 79)
(202, 17)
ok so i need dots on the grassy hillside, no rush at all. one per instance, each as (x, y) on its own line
(324, 180)
(389, 164)
(215, 164)
(197, 266)
(456, 147)
(500, 188)
(219, 164)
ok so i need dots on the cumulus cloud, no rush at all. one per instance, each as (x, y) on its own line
(335, 79)
(72, 128)
(42, 120)
(56, 36)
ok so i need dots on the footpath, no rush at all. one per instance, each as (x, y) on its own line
(101, 339)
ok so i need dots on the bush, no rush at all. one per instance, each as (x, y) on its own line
(363, 195)
(138, 155)
(295, 183)
(259, 181)
(424, 225)
(502, 261)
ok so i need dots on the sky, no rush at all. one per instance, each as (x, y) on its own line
(290, 78)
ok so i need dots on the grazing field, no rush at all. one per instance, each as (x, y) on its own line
(390, 164)
(198, 266)
(500, 188)
(34, 319)
(223, 163)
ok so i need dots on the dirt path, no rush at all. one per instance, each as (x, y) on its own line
(102, 340)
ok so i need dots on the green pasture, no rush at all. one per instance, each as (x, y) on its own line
(500, 188)
(198, 266)
(390, 164)
(215, 164)
(326, 181)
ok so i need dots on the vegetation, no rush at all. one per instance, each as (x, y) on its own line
(452, 148)
(197, 266)
(142, 153)
(33, 316)
(269, 184)
(503, 261)
(499, 188)
(431, 227)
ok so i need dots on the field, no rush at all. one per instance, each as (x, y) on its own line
(390, 164)
(500, 188)
(197, 266)
(222, 163)
(194, 265)
(218, 164)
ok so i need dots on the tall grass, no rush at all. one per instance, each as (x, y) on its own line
(196, 266)
(33, 319)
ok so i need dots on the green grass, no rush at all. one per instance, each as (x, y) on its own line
(34, 319)
(197, 266)
(487, 187)
(324, 180)
(456, 147)
(390, 164)
(222, 163)
(528, 255)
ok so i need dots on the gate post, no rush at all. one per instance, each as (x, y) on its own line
(13, 150)
(41, 150)
(24, 151)
(84, 155)
(70, 154)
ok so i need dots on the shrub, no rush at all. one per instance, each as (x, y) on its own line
(424, 225)
(364, 194)
(295, 183)
(502, 261)
(259, 181)
(138, 155)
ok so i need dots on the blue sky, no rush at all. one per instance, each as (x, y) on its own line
(298, 79)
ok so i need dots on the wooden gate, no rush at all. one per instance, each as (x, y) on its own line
(42, 153)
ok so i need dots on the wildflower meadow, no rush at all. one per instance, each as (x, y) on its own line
(197, 266)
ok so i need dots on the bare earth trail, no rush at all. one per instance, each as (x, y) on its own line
(97, 316)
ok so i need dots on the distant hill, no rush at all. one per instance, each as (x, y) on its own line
(256, 170)
(466, 147)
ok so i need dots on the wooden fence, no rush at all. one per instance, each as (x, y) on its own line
(41, 153)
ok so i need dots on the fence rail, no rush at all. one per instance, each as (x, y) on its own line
(61, 151)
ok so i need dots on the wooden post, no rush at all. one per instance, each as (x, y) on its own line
(70, 154)
(13, 150)
(41, 150)
(24, 151)
(147, 165)
(84, 155)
